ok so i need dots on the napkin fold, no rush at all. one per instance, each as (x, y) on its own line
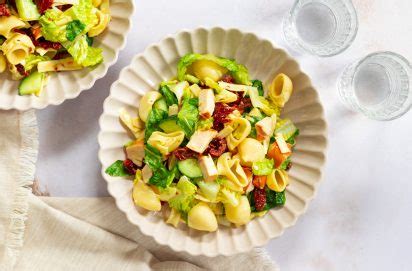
(48, 233)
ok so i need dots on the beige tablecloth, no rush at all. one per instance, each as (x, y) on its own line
(46, 233)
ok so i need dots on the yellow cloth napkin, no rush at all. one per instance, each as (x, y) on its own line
(46, 233)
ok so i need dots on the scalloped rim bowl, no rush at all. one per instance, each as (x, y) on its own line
(68, 85)
(157, 63)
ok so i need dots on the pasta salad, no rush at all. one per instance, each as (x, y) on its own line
(42, 36)
(209, 147)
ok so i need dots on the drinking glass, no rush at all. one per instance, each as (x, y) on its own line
(321, 27)
(378, 86)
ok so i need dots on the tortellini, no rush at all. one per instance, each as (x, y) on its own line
(278, 180)
(280, 90)
(145, 197)
(203, 69)
(17, 48)
(103, 20)
(231, 168)
(7, 24)
(146, 104)
(251, 150)
(241, 129)
(3, 63)
(239, 214)
(202, 218)
(166, 143)
(135, 125)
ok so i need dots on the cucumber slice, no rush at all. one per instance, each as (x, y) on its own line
(161, 105)
(190, 168)
(170, 125)
(32, 84)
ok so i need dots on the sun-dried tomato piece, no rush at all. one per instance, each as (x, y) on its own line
(4, 10)
(228, 79)
(43, 5)
(61, 55)
(64, 7)
(21, 70)
(22, 31)
(47, 44)
(259, 196)
(130, 166)
(217, 147)
(242, 103)
(184, 153)
(220, 115)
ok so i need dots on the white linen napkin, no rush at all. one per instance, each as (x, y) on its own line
(46, 233)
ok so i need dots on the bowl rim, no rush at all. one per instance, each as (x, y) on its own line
(320, 168)
(86, 86)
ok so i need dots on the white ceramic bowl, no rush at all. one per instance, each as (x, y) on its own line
(158, 63)
(68, 85)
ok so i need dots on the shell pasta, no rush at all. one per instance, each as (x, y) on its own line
(40, 37)
(209, 145)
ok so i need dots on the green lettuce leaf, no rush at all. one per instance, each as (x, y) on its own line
(238, 71)
(187, 117)
(209, 189)
(185, 186)
(73, 29)
(89, 40)
(288, 130)
(32, 60)
(262, 103)
(274, 199)
(53, 25)
(228, 196)
(94, 57)
(182, 203)
(27, 10)
(258, 84)
(69, 28)
(85, 13)
(263, 168)
(292, 140)
(83, 54)
(161, 176)
(117, 169)
(169, 96)
(152, 157)
(205, 124)
(153, 120)
(285, 164)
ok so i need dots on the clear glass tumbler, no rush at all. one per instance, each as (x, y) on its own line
(321, 27)
(379, 86)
